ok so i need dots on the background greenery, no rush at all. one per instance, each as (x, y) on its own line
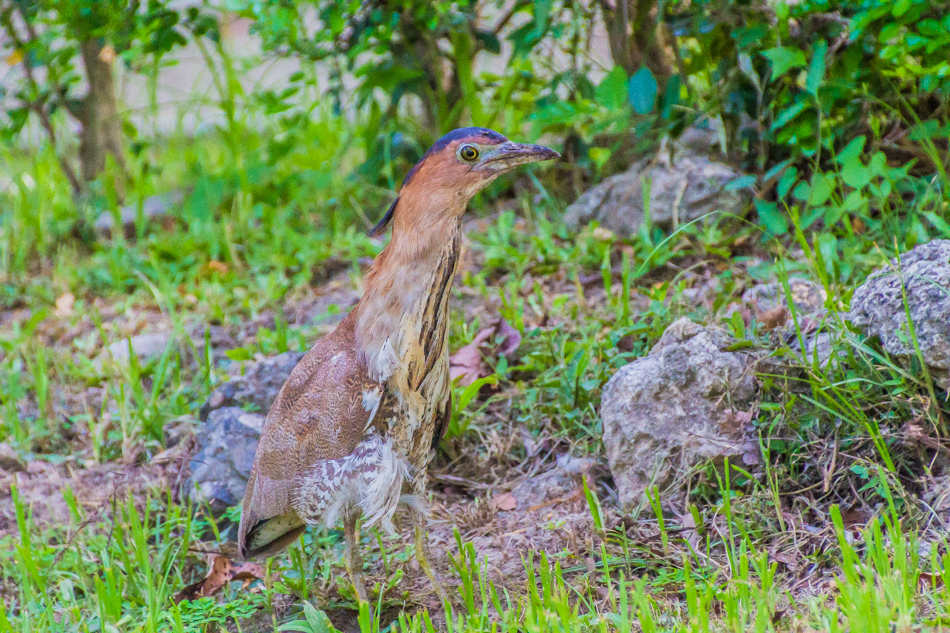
(837, 111)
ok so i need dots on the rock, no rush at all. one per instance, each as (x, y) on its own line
(682, 190)
(330, 307)
(683, 404)
(818, 346)
(10, 461)
(703, 137)
(220, 468)
(807, 296)
(152, 207)
(559, 482)
(144, 346)
(878, 308)
(257, 387)
(937, 496)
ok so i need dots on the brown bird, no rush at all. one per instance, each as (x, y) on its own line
(350, 433)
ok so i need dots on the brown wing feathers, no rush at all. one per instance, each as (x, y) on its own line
(318, 415)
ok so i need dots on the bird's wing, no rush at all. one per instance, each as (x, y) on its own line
(320, 413)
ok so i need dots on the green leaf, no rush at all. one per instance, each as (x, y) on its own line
(833, 214)
(783, 59)
(856, 201)
(612, 91)
(855, 174)
(786, 115)
(642, 89)
(776, 170)
(821, 188)
(489, 41)
(802, 191)
(671, 96)
(740, 183)
(770, 217)
(939, 223)
(900, 7)
(600, 155)
(925, 130)
(851, 150)
(816, 70)
(787, 181)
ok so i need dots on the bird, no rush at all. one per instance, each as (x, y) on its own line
(349, 436)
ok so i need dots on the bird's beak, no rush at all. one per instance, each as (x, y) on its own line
(508, 155)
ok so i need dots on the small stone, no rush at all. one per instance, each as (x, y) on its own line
(559, 482)
(807, 297)
(144, 346)
(10, 461)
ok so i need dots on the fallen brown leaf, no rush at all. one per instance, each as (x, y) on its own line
(776, 317)
(505, 502)
(221, 572)
(468, 364)
(221, 267)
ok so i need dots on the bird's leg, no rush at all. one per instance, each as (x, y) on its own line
(423, 555)
(354, 562)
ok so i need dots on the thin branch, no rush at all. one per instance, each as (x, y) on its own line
(38, 104)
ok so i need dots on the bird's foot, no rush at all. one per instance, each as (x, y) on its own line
(359, 586)
(352, 558)
(424, 556)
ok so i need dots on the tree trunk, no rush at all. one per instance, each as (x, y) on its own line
(636, 39)
(101, 125)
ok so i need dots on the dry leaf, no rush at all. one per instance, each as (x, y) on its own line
(221, 267)
(505, 502)
(776, 317)
(15, 57)
(220, 573)
(467, 365)
(64, 304)
(498, 339)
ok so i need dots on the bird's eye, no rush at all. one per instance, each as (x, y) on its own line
(468, 153)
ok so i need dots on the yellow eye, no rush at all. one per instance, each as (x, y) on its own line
(468, 153)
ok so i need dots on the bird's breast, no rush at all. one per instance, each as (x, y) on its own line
(405, 335)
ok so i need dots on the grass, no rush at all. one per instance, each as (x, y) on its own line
(771, 548)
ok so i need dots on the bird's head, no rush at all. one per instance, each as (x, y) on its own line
(458, 166)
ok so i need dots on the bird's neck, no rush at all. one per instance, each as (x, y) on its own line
(401, 326)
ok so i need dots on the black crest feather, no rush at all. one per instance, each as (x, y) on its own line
(474, 133)
(381, 226)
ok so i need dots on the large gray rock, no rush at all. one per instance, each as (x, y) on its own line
(878, 307)
(256, 388)
(685, 403)
(682, 190)
(220, 468)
